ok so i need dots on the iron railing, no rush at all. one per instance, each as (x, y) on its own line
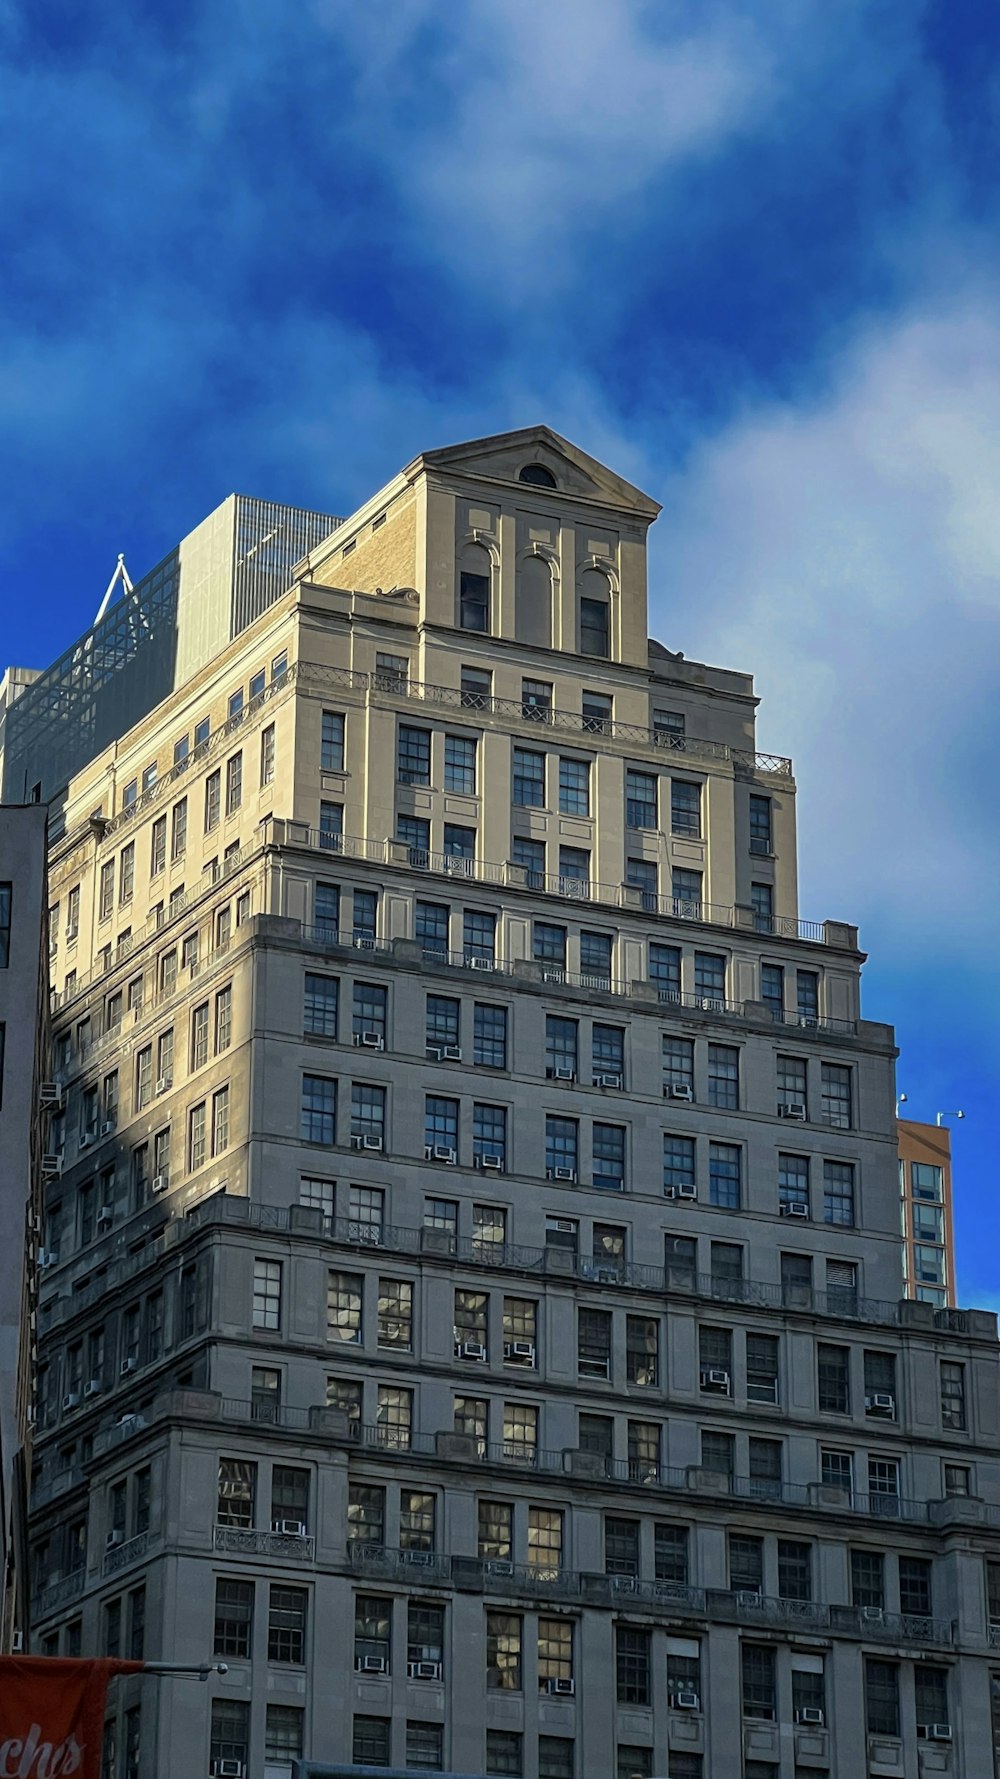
(244, 1541)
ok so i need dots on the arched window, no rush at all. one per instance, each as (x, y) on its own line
(595, 614)
(474, 588)
(533, 605)
(537, 475)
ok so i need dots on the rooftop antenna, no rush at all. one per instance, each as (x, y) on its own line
(943, 1115)
(902, 1100)
(121, 574)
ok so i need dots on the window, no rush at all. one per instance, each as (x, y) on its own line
(594, 627)
(597, 709)
(489, 1134)
(474, 601)
(319, 1110)
(545, 1540)
(678, 1163)
(520, 1431)
(489, 1232)
(633, 1665)
(199, 1036)
(213, 799)
(883, 1486)
(413, 755)
(478, 937)
(762, 1368)
(746, 1563)
(504, 1752)
(267, 756)
(637, 1763)
(430, 928)
(670, 1552)
(424, 1746)
(126, 872)
(930, 1695)
(715, 1356)
(555, 1753)
(835, 1104)
(331, 754)
(372, 1631)
(370, 1741)
(230, 1732)
(808, 1690)
(394, 1416)
(574, 869)
(489, 1037)
(283, 1734)
(471, 1419)
(718, 1454)
(882, 1698)
(503, 1651)
(685, 807)
(594, 1343)
(834, 1379)
(678, 1067)
(460, 764)
(237, 1492)
(234, 783)
(640, 799)
(868, 1579)
(765, 1468)
(608, 1050)
(440, 1122)
(368, 1015)
(609, 1157)
(417, 1511)
(680, 1253)
(957, 1480)
(685, 889)
(365, 1514)
(758, 1670)
(641, 874)
(476, 688)
(926, 1182)
(772, 987)
(794, 1570)
(724, 1175)
(267, 1294)
(344, 1306)
(220, 1121)
(320, 1006)
(760, 826)
(395, 1314)
(838, 1192)
(233, 1618)
(442, 1022)
(392, 672)
(529, 856)
(953, 1415)
(762, 906)
(528, 781)
(196, 1137)
(286, 1624)
(724, 1076)
(561, 1045)
(158, 846)
(642, 1346)
(562, 1147)
(915, 1587)
(331, 826)
(807, 995)
(574, 787)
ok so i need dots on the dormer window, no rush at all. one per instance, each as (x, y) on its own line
(537, 475)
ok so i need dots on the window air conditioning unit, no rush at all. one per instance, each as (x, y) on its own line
(289, 1528)
(686, 1190)
(872, 1615)
(715, 1379)
(498, 1566)
(810, 1714)
(561, 1073)
(368, 1234)
(523, 1350)
(491, 1164)
(105, 1216)
(451, 1053)
(226, 1769)
(480, 963)
(442, 1152)
(47, 1257)
(435, 1052)
(369, 1041)
(86, 1139)
(881, 1404)
(372, 1664)
(17, 1643)
(470, 1349)
(113, 1539)
(797, 1207)
(92, 1388)
(423, 1670)
(749, 1599)
(563, 1173)
(677, 1090)
(793, 1109)
(934, 1732)
(164, 1084)
(51, 1167)
(49, 1095)
(685, 1700)
(160, 1182)
(127, 1367)
(562, 1688)
(107, 1128)
(607, 1080)
(71, 1400)
(367, 1143)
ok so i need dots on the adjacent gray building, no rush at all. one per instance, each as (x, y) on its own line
(470, 1293)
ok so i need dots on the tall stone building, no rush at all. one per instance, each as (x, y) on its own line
(470, 1298)
(24, 993)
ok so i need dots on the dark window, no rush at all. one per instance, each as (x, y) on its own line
(685, 807)
(665, 970)
(834, 1379)
(759, 1682)
(537, 475)
(474, 601)
(633, 1665)
(746, 1563)
(760, 825)
(794, 1570)
(868, 1579)
(528, 781)
(370, 1741)
(882, 1698)
(413, 755)
(930, 1695)
(286, 1624)
(621, 1547)
(233, 1617)
(915, 1587)
(489, 1037)
(594, 627)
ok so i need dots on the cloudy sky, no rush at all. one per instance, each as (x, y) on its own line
(746, 252)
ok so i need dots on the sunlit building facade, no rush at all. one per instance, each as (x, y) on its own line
(926, 1210)
(469, 1292)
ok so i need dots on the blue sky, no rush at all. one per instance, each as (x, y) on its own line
(745, 252)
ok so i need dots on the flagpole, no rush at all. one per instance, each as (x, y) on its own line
(195, 1670)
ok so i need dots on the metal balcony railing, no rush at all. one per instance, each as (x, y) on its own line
(121, 1556)
(244, 1541)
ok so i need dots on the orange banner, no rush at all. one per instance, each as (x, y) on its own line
(52, 1716)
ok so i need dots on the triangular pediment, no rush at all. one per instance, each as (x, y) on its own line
(502, 457)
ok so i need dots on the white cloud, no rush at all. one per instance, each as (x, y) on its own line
(848, 552)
